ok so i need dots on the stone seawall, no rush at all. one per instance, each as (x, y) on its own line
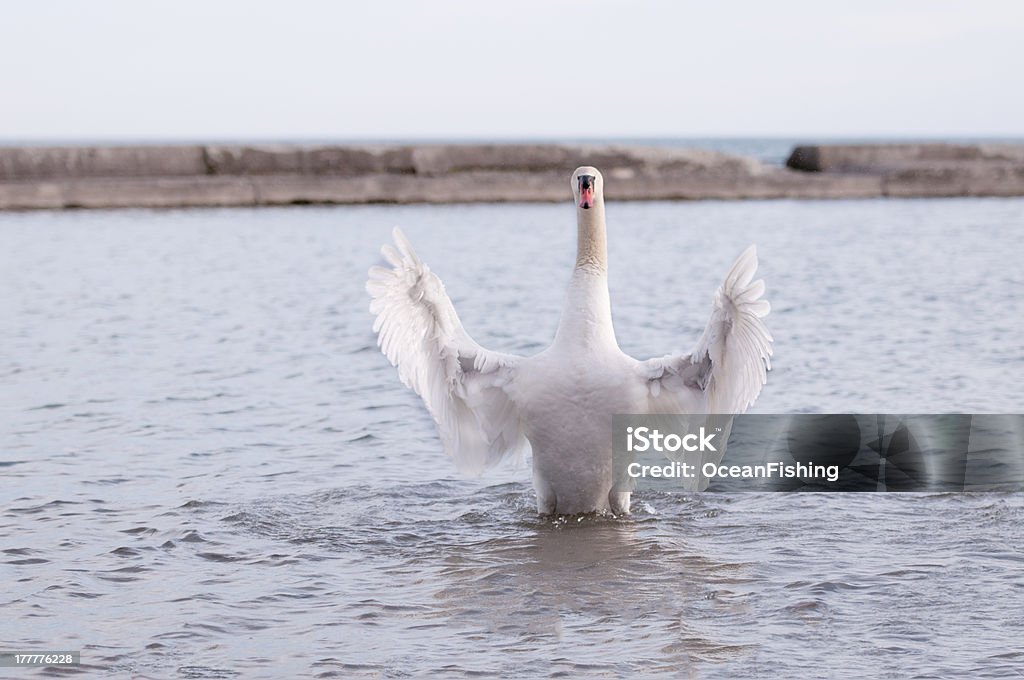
(239, 175)
(907, 170)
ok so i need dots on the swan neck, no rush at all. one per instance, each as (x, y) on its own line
(591, 239)
(587, 317)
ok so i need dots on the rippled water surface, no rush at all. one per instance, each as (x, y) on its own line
(208, 470)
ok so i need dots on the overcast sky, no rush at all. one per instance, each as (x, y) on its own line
(239, 69)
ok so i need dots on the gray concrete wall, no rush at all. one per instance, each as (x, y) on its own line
(240, 175)
(873, 158)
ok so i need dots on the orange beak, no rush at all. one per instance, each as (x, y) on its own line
(586, 191)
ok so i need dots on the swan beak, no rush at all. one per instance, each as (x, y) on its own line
(586, 191)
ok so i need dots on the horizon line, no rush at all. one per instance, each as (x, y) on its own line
(499, 139)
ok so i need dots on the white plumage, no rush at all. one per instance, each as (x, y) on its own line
(726, 370)
(461, 383)
(490, 406)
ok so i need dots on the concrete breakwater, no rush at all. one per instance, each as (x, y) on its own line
(251, 175)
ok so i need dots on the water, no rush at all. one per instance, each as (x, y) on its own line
(208, 470)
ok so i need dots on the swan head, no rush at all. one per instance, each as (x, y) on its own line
(587, 187)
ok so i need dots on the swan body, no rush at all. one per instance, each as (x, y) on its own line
(559, 403)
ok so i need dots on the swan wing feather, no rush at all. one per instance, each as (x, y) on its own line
(463, 385)
(729, 365)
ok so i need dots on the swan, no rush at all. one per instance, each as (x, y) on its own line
(490, 406)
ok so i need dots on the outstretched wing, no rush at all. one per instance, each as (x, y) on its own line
(462, 384)
(728, 367)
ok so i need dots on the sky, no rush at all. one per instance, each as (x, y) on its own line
(570, 69)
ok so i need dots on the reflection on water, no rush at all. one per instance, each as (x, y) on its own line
(207, 469)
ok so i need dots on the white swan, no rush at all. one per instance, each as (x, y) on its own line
(559, 403)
